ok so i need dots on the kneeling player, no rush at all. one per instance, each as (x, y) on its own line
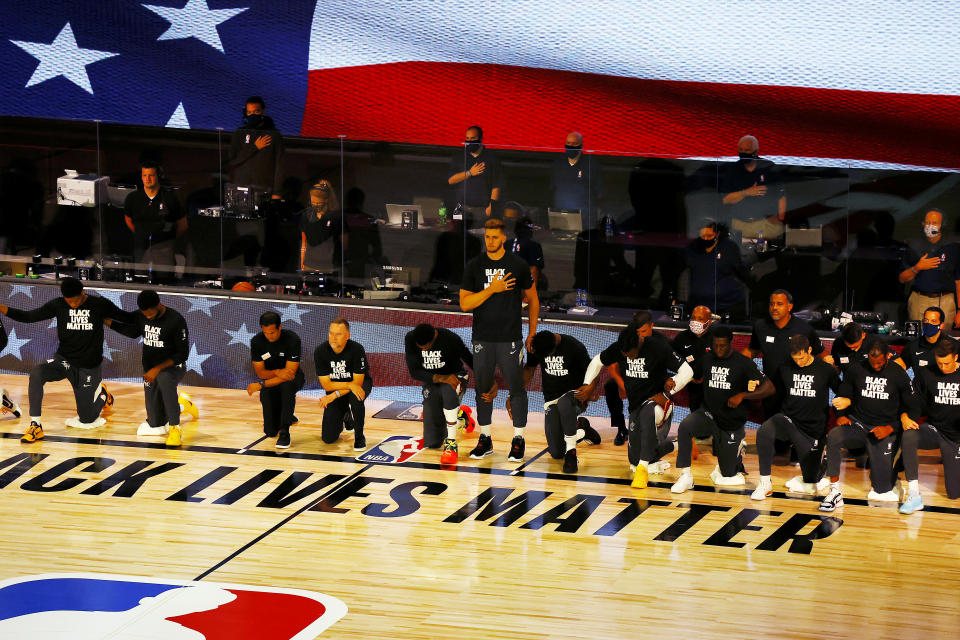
(938, 390)
(436, 357)
(807, 382)
(165, 349)
(873, 400)
(729, 378)
(275, 352)
(345, 375)
(563, 362)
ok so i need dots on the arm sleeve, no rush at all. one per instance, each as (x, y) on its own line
(593, 370)
(683, 376)
(414, 361)
(45, 312)
(181, 343)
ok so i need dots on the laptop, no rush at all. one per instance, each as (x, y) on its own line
(395, 213)
(804, 237)
(565, 221)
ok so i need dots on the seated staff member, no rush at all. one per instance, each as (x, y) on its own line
(563, 361)
(871, 403)
(78, 356)
(918, 353)
(345, 375)
(164, 356)
(645, 360)
(802, 418)
(937, 389)
(729, 378)
(275, 352)
(436, 357)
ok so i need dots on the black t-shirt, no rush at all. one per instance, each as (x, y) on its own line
(807, 396)
(154, 219)
(645, 375)
(939, 399)
(164, 338)
(275, 355)
(528, 249)
(562, 370)
(918, 353)
(446, 356)
(475, 191)
(774, 343)
(498, 318)
(251, 166)
(878, 398)
(341, 367)
(933, 281)
(724, 378)
(80, 330)
(844, 357)
(737, 178)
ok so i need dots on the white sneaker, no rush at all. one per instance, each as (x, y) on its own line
(823, 484)
(797, 485)
(658, 467)
(764, 490)
(726, 481)
(76, 424)
(889, 496)
(683, 483)
(8, 405)
(833, 500)
(146, 430)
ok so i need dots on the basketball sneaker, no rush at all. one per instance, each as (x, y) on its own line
(359, 442)
(517, 447)
(763, 491)
(146, 430)
(914, 502)
(465, 421)
(483, 449)
(834, 500)
(570, 461)
(8, 405)
(726, 481)
(174, 437)
(683, 483)
(187, 406)
(283, 439)
(621, 436)
(658, 467)
(449, 455)
(590, 434)
(640, 477)
(888, 496)
(108, 405)
(76, 424)
(34, 432)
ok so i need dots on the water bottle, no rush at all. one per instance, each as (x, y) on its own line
(442, 213)
(581, 298)
(608, 227)
(761, 242)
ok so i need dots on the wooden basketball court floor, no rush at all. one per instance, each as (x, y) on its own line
(417, 551)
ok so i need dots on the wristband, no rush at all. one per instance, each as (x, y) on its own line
(263, 385)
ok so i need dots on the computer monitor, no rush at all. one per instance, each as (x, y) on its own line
(395, 213)
(565, 221)
(804, 237)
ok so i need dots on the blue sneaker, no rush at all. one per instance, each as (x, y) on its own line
(914, 502)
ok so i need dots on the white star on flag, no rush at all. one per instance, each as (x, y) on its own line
(108, 351)
(292, 312)
(14, 344)
(194, 20)
(195, 359)
(179, 118)
(240, 336)
(201, 304)
(63, 57)
(25, 289)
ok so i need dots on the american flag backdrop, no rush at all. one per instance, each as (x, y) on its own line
(868, 83)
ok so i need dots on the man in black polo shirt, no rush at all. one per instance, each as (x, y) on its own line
(918, 353)
(494, 285)
(436, 357)
(932, 266)
(80, 319)
(751, 187)
(645, 360)
(563, 361)
(575, 180)
(802, 418)
(872, 401)
(475, 176)
(344, 374)
(729, 378)
(156, 218)
(275, 353)
(165, 349)
(938, 392)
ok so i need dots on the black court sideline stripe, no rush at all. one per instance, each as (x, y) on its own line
(545, 475)
(519, 470)
(277, 526)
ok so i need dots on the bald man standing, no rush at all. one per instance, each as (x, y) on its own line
(574, 181)
(931, 266)
(751, 187)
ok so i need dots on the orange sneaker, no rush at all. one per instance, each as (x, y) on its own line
(465, 421)
(34, 433)
(449, 455)
(108, 405)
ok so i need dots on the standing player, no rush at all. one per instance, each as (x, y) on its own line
(938, 391)
(918, 353)
(345, 375)
(275, 353)
(80, 319)
(494, 286)
(645, 360)
(871, 404)
(563, 362)
(802, 418)
(436, 357)
(165, 349)
(729, 378)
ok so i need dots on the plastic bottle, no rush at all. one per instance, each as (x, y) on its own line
(608, 227)
(442, 213)
(761, 242)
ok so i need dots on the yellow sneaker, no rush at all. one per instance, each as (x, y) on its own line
(187, 406)
(174, 438)
(108, 405)
(639, 477)
(34, 433)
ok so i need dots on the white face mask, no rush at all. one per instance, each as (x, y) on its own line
(698, 328)
(931, 230)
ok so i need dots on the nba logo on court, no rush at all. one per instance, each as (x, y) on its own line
(393, 450)
(93, 606)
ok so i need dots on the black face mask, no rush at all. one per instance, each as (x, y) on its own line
(747, 157)
(573, 152)
(472, 145)
(704, 245)
(253, 120)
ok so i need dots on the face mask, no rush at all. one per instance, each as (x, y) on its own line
(698, 328)
(930, 330)
(931, 230)
(572, 152)
(705, 245)
(747, 157)
(472, 146)
(253, 120)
